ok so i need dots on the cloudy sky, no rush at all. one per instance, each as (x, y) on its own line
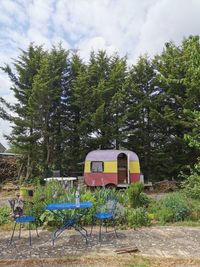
(130, 27)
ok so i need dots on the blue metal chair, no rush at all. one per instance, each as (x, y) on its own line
(107, 214)
(17, 214)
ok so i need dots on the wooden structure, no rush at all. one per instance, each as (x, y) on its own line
(66, 180)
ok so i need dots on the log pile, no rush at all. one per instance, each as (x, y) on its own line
(8, 168)
(165, 186)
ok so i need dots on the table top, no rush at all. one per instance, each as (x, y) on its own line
(61, 178)
(68, 205)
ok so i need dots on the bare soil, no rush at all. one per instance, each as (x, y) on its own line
(158, 246)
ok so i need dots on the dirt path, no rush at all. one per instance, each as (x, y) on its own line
(159, 242)
(4, 197)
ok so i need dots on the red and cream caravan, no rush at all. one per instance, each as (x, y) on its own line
(111, 168)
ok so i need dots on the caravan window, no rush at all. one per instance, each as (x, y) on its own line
(97, 166)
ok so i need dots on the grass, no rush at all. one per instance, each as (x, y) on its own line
(104, 260)
(6, 227)
(185, 223)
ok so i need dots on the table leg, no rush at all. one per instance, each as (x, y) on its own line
(74, 221)
(84, 235)
(59, 231)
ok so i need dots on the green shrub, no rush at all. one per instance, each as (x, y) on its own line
(123, 197)
(136, 197)
(49, 218)
(194, 206)
(192, 183)
(104, 194)
(54, 192)
(175, 207)
(144, 200)
(164, 215)
(5, 215)
(137, 217)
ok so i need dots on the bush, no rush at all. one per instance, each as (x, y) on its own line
(164, 215)
(137, 217)
(50, 219)
(54, 192)
(174, 207)
(123, 197)
(104, 194)
(5, 215)
(136, 197)
(194, 206)
(192, 183)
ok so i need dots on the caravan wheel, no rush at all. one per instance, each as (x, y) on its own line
(111, 186)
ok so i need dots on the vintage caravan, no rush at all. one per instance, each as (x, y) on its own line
(111, 168)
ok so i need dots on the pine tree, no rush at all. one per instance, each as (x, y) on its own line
(66, 107)
(23, 136)
(45, 105)
(106, 79)
(172, 67)
(142, 135)
(74, 102)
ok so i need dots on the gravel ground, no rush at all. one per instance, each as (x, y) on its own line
(154, 241)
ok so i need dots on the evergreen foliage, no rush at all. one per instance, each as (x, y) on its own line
(66, 108)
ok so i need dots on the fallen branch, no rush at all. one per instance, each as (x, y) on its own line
(127, 250)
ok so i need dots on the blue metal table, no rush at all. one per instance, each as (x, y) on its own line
(73, 221)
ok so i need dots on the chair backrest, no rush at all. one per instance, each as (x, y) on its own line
(115, 200)
(17, 206)
(110, 205)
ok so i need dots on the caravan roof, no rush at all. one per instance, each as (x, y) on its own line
(109, 154)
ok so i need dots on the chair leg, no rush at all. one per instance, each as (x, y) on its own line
(92, 225)
(115, 228)
(91, 230)
(20, 227)
(53, 239)
(12, 233)
(29, 234)
(36, 230)
(100, 230)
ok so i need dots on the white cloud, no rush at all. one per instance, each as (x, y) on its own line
(40, 12)
(57, 40)
(5, 128)
(117, 22)
(5, 84)
(168, 20)
(94, 44)
(36, 36)
(13, 11)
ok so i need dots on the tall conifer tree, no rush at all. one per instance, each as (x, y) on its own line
(23, 135)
